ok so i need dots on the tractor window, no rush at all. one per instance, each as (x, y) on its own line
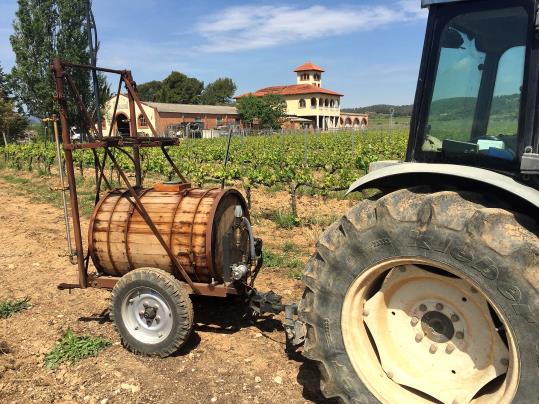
(506, 101)
(475, 99)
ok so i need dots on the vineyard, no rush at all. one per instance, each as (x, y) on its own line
(320, 163)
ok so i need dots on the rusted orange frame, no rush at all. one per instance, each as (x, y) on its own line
(60, 75)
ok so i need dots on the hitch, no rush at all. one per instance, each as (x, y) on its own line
(269, 302)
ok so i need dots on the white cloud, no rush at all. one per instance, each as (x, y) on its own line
(250, 27)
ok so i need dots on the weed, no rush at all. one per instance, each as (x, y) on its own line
(274, 260)
(72, 348)
(283, 219)
(10, 307)
(291, 247)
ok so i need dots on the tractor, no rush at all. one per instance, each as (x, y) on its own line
(425, 292)
(428, 291)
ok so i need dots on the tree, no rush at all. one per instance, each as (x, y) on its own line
(268, 110)
(150, 91)
(219, 92)
(44, 29)
(11, 122)
(33, 45)
(179, 89)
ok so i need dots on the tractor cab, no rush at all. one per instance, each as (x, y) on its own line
(476, 96)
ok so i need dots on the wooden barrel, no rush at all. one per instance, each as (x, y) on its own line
(192, 222)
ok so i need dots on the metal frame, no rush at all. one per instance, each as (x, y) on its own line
(60, 71)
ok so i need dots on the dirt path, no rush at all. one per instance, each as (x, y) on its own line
(226, 360)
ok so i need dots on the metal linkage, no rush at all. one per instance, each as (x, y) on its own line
(270, 302)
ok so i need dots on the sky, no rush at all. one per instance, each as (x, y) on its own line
(370, 49)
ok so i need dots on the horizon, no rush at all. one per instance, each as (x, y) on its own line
(370, 51)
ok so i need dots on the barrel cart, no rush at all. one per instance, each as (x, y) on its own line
(155, 246)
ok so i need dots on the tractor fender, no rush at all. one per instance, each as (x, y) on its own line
(402, 175)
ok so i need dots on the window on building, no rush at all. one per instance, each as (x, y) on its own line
(316, 77)
(302, 103)
(332, 103)
(313, 102)
(304, 77)
(219, 120)
(142, 121)
(326, 103)
(198, 119)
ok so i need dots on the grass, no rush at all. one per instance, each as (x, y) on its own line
(276, 260)
(284, 219)
(40, 191)
(10, 307)
(72, 348)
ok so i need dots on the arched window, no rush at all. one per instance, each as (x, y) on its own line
(326, 103)
(142, 121)
(302, 103)
(332, 103)
(316, 76)
(313, 102)
(321, 102)
(336, 103)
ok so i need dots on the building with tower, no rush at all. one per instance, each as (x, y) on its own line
(308, 104)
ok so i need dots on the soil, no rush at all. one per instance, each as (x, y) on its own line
(227, 359)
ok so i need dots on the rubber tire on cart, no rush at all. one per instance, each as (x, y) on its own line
(152, 312)
(389, 262)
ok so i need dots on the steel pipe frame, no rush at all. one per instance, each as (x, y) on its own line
(59, 75)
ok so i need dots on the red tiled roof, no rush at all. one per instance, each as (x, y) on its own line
(291, 90)
(308, 66)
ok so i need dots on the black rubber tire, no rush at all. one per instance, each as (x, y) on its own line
(175, 295)
(413, 222)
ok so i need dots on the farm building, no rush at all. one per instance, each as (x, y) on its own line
(308, 104)
(165, 117)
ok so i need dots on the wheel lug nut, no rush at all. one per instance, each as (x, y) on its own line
(422, 307)
(418, 337)
(157, 318)
(459, 335)
(454, 318)
(131, 300)
(433, 348)
(414, 321)
(145, 304)
(141, 313)
(449, 348)
(439, 306)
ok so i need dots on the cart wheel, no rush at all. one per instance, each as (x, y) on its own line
(152, 312)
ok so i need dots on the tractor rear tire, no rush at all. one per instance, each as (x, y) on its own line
(152, 312)
(423, 296)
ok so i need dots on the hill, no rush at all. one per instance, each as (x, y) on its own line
(382, 109)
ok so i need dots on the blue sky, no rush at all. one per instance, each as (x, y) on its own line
(370, 49)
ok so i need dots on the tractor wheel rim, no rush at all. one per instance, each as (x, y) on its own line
(425, 334)
(146, 315)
